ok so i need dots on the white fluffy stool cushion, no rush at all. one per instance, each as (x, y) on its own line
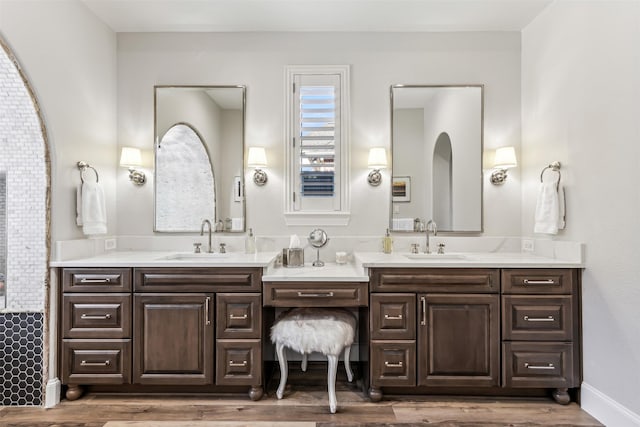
(323, 330)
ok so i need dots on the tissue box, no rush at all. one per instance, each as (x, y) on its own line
(293, 257)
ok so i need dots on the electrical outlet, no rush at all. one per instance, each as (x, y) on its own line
(109, 244)
(527, 245)
(396, 209)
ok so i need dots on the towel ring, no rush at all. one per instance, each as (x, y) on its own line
(83, 166)
(555, 166)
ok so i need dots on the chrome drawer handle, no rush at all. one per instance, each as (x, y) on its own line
(315, 295)
(539, 319)
(95, 317)
(237, 365)
(398, 317)
(85, 363)
(393, 365)
(105, 280)
(539, 282)
(423, 301)
(207, 309)
(544, 367)
(233, 317)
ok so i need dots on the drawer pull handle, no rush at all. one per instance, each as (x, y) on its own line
(393, 365)
(105, 280)
(398, 317)
(315, 295)
(423, 300)
(95, 316)
(234, 317)
(539, 282)
(85, 363)
(544, 367)
(539, 319)
(233, 364)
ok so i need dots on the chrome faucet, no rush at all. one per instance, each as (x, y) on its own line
(208, 223)
(431, 226)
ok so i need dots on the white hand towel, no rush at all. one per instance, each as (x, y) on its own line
(547, 216)
(79, 205)
(94, 212)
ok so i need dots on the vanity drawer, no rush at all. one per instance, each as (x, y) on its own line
(538, 281)
(96, 279)
(199, 279)
(434, 280)
(393, 316)
(238, 362)
(96, 361)
(538, 364)
(315, 294)
(393, 363)
(542, 317)
(96, 315)
(238, 315)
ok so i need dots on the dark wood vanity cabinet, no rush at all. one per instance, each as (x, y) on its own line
(474, 329)
(146, 327)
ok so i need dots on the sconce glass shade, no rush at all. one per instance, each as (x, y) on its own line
(505, 158)
(377, 158)
(130, 158)
(257, 158)
(377, 161)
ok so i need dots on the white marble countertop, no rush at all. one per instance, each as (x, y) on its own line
(170, 259)
(464, 260)
(330, 272)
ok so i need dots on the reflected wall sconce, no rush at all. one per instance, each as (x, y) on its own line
(377, 161)
(505, 158)
(132, 158)
(258, 159)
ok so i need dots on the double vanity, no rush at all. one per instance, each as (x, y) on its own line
(473, 324)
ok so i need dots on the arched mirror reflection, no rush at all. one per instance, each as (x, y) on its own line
(199, 151)
(437, 157)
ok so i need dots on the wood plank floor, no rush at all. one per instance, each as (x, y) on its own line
(305, 404)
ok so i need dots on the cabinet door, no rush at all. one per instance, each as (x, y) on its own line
(458, 340)
(173, 339)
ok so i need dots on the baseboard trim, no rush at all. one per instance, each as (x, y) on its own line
(605, 409)
(52, 393)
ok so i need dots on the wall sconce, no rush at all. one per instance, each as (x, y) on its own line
(130, 158)
(377, 161)
(505, 158)
(258, 159)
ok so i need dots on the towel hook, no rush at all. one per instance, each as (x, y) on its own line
(83, 166)
(555, 166)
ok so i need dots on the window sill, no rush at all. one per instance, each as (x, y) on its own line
(317, 218)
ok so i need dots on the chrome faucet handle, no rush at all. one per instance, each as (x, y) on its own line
(196, 248)
(415, 248)
(441, 248)
(223, 249)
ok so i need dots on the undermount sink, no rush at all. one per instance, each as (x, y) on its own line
(434, 256)
(192, 256)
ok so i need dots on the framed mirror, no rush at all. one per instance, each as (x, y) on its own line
(436, 145)
(199, 158)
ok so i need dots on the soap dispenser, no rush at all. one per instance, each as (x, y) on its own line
(387, 243)
(250, 243)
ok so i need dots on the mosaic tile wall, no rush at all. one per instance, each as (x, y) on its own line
(22, 157)
(21, 359)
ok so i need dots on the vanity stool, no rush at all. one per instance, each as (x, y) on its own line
(305, 330)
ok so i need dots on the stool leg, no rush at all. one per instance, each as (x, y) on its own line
(303, 365)
(282, 358)
(347, 364)
(331, 382)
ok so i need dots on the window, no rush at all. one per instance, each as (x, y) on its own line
(317, 145)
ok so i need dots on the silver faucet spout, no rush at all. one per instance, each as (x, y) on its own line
(430, 227)
(207, 223)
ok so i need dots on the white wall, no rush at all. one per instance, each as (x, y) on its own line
(581, 106)
(69, 56)
(257, 60)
